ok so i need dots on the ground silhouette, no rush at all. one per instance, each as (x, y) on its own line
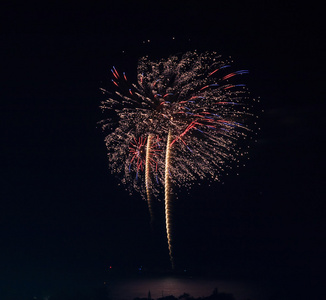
(214, 296)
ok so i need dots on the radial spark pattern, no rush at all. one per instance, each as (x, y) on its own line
(194, 107)
(198, 98)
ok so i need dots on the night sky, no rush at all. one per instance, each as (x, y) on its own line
(63, 216)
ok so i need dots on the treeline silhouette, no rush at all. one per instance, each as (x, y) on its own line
(102, 294)
(214, 296)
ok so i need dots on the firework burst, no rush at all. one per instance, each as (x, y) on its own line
(192, 104)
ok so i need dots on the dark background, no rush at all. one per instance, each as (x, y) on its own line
(65, 220)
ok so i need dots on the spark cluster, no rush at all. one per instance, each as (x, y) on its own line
(198, 99)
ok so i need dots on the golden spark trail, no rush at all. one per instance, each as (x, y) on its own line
(168, 206)
(147, 176)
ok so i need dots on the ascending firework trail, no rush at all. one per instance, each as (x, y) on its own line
(192, 103)
(168, 204)
(147, 176)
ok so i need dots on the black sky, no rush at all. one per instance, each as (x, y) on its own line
(64, 216)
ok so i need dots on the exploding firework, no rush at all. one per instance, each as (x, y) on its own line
(192, 104)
